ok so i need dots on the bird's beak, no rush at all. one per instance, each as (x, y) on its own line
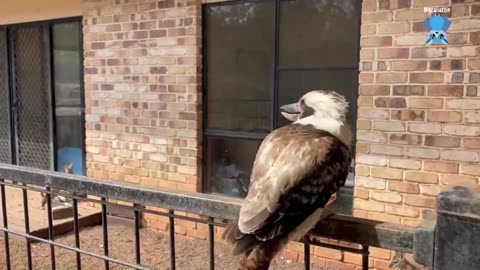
(291, 111)
(291, 108)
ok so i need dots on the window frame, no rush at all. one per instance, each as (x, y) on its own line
(47, 28)
(277, 68)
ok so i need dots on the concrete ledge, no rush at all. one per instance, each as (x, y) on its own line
(67, 227)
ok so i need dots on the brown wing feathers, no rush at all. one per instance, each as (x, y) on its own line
(289, 182)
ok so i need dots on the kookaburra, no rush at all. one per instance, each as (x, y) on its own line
(297, 169)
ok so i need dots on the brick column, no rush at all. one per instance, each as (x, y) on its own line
(142, 91)
(418, 116)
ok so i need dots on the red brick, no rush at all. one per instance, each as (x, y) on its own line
(369, 5)
(376, 41)
(372, 113)
(367, 54)
(408, 90)
(460, 155)
(426, 153)
(393, 53)
(429, 128)
(440, 166)
(429, 52)
(403, 187)
(370, 183)
(389, 150)
(387, 102)
(389, 197)
(471, 143)
(410, 15)
(425, 103)
(374, 90)
(393, 28)
(426, 77)
(377, 17)
(464, 104)
(421, 201)
(371, 160)
(445, 90)
(364, 124)
(408, 115)
(450, 179)
(430, 3)
(442, 141)
(430, 190)
(444, 116)
(368, 29)
(391, 77)
(365, 101)
(405, 139)
(409, 65)
(386, 173)
(421, 177)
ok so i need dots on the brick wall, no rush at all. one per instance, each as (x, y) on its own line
(418, 116)
(143, 94)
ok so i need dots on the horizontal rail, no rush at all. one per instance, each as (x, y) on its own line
(339, 227)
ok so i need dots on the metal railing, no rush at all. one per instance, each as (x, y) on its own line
(215, 209)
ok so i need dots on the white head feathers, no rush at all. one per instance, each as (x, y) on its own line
(325, 110)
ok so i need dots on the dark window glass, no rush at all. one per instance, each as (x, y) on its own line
(238, 46)
(229, 165)
(312, 44)
(319, 33)
(68, 101)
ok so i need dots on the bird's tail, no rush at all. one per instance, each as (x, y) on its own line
(256, 254)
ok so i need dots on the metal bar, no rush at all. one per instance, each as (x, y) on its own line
(136, 218)
(306, 256)
(343, 228)
(211, 244)
(50, 228)
(126, 207)
(12, 34)
(171, 233)
(41, 240)
(205, 185)
(9, 91)
(49, 80)
(236, 134)
(82, 97)
(5, 225)
(331, 246)
(105, 233)
(276, 60)
(340, 68)
(26, 217)
(76, 232)
(365, 257)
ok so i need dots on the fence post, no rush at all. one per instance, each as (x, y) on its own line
(457, 234)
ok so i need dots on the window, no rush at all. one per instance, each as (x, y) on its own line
(41, 87)
(259, 55)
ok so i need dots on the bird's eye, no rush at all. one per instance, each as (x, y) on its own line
(433, 36)
(441, 35)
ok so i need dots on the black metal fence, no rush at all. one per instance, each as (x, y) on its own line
(215, 209)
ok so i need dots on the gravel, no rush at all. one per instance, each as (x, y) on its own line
(191, 254)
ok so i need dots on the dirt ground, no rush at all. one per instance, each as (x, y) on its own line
(191, 254)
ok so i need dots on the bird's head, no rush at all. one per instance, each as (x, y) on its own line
(320, 103)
